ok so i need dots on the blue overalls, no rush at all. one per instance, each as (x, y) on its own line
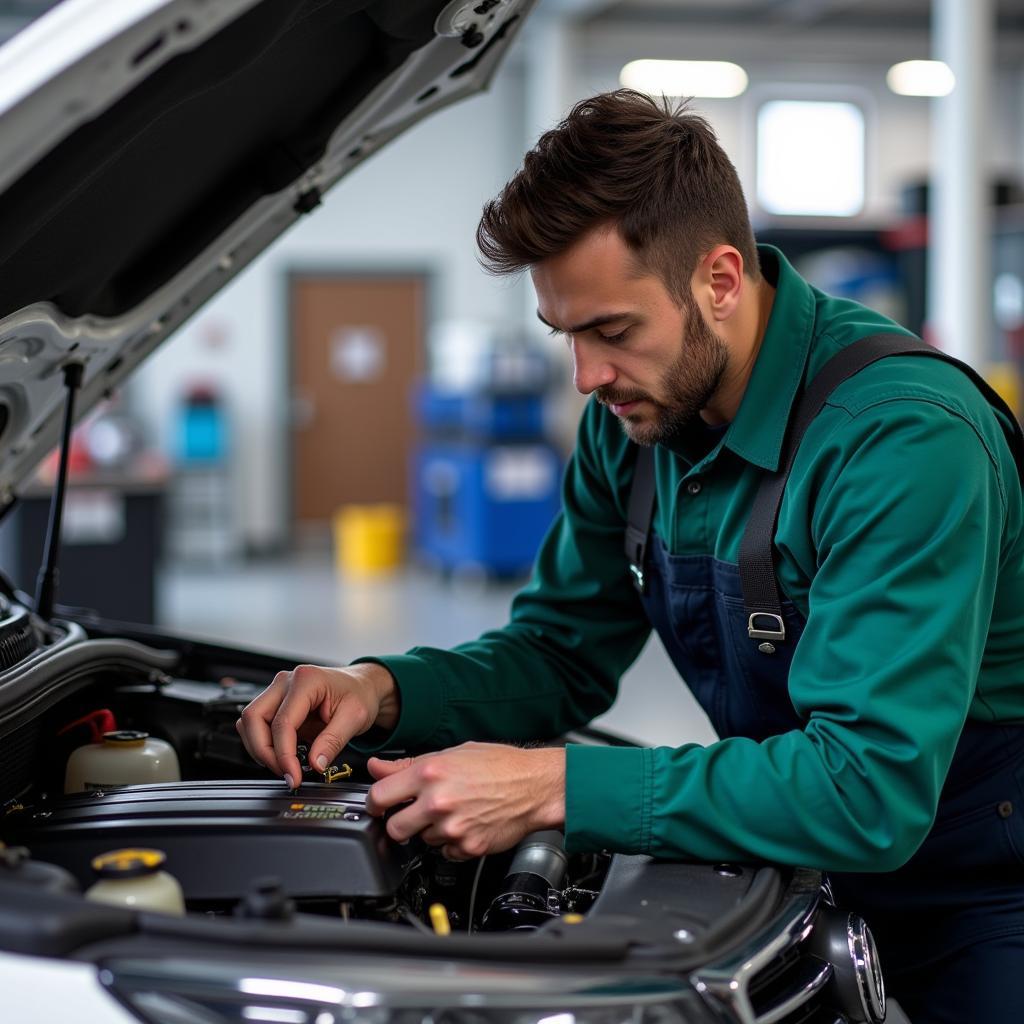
(950, 923)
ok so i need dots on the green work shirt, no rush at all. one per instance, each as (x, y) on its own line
(899, 539)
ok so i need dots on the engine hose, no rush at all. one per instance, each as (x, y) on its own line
(530, 894)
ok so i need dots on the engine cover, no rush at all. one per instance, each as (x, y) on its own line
(221, 836)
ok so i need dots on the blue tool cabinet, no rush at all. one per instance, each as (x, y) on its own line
(486, 483)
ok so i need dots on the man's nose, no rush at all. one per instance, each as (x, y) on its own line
(590, 370)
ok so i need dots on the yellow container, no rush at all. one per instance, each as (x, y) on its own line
(1005, 379)
(368, 539)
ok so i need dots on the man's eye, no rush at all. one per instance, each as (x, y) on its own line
(614, 337)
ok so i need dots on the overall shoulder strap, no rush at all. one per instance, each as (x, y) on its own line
(639, 513)
(757, 568)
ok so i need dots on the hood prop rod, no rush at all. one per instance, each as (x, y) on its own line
(46, 584)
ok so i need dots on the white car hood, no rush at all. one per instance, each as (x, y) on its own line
(150, 150)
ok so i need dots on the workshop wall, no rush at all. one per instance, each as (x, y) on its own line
(413, 205)
(416, 204)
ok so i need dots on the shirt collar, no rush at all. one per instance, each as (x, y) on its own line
(757, 432)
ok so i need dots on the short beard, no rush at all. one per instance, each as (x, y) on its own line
(688, 385)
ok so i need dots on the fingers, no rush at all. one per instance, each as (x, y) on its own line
(254, 725)
(351, 718)
(294, 704)
(293, 711)
(434, 809)
(381, 769)
(410, 821)
(397, 787)
(457, 840)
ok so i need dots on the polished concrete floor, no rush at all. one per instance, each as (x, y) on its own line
(301, 606)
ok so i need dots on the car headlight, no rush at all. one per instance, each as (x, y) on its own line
(442, 992)
(845, 941)
(867, 970)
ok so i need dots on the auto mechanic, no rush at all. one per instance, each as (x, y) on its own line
(875, 728)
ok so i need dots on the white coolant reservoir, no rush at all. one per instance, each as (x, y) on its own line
(133, 878)
(122, 758)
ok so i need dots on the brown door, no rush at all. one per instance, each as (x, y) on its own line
(356, 349)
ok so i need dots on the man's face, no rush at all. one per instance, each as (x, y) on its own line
(654, 364)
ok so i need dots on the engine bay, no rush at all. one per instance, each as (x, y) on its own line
(238, 842)
(253, 871)
(220, 837)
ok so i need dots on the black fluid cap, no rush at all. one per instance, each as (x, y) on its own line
(266, 901)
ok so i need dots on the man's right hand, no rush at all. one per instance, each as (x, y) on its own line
(330, 704)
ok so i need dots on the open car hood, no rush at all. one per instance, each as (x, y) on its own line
(150, 150)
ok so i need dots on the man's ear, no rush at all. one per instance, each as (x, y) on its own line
(719, 279)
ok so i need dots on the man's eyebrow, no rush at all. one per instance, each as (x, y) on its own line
(597, 321)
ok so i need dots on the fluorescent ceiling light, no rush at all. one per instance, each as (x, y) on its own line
(921, 78)
(711, 79)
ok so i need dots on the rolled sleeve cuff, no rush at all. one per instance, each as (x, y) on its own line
(421, 693)
(608, 798)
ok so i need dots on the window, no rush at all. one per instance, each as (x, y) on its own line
(810, 158)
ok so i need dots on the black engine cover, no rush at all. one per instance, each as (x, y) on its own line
(219, 837)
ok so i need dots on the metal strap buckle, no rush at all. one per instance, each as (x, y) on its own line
(638, 576)
(779, 633)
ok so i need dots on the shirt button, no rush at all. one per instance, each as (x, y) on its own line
(694, 486)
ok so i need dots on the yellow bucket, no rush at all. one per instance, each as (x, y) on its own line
(1006, 381)
(368, 539)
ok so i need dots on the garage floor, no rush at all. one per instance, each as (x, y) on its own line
(300, 606)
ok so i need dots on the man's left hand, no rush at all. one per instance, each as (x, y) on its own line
(473, 799)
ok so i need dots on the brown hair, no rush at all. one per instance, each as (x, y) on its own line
(654, 170)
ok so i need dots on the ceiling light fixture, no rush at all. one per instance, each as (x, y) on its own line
(709, 79)
(920, 78)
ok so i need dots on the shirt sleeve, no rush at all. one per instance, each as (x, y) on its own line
(573, 630)
(907, 521)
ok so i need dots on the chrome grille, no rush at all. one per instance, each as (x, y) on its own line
(774, 979)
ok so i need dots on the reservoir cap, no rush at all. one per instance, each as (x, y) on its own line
(128, 863)
(125, 738)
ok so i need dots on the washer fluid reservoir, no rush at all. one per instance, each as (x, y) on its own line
(122, 758)
(132, 878)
